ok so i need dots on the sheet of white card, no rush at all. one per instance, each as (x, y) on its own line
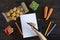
(26, 29)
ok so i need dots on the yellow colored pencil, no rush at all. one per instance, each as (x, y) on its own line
(48, 28)
(18, 28)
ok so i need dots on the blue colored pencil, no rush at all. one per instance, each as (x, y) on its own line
(51, 29)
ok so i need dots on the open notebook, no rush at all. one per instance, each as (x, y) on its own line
(26, 29)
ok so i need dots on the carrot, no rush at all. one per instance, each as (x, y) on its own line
(49, 13)
(45, 11)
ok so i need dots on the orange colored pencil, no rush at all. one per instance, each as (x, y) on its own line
(45, 11)
(18, 28)
(49, 13)
(52, 22)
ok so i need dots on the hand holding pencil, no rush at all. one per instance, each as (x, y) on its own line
(39, 34)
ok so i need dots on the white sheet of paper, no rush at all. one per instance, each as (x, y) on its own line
(26, 29)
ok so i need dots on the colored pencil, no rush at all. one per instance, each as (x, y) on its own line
(18, 28)
(51, 29)
(47, 28)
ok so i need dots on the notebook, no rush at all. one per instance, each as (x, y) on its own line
(26, 29)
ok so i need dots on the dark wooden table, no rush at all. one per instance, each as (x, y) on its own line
(6, 5)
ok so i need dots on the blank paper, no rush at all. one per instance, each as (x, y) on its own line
(26, 29)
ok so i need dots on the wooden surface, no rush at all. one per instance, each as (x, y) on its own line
(5, 5)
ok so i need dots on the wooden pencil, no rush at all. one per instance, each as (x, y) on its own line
(47, 28)
(49, 13)
(18, 28)
(51, 29)
(45, 11)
